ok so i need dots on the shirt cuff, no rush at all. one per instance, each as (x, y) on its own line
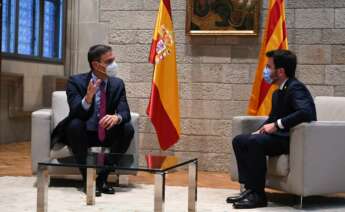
(120, 119)
(85, 105)
(280, 125)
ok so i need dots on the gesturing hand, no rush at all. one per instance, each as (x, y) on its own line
(91, 90)
(108, 121)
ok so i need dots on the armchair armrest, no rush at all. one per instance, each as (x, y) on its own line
(246, 124)
(40, 136)
(240, 125)
(317, 151)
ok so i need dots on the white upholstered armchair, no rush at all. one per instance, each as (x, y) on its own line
(315, 164)
(45, 120)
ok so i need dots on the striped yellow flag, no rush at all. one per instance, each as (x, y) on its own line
(163, 108)
(275, 37)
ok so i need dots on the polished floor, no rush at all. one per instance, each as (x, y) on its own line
(15, 160)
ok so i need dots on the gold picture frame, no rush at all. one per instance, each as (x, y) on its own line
(223, 17)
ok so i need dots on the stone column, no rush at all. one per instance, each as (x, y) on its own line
(82, 31)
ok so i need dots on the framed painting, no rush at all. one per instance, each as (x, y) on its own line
(223, 17)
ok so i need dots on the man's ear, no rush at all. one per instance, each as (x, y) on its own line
(282, 71)
(94, 65)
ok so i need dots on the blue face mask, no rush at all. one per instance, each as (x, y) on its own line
(267, 75)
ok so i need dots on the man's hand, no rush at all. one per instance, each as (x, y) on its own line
(108, 121)
(268, 128)
(91, 90)
(101, 73)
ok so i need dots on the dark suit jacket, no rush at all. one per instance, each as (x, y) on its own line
(293, 105)
(76, 91)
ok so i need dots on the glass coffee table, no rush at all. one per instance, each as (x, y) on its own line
(158, 165)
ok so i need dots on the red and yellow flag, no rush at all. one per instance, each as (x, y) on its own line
(163, 108)
(275, 37)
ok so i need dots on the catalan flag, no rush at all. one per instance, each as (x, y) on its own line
(163, 108)
(275, 37)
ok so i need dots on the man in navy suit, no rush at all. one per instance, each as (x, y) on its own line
(292, 104)
(99, 113)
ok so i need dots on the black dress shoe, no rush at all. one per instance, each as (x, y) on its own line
(106, 189)
(252, 200)
(238, 197)
(98, 192)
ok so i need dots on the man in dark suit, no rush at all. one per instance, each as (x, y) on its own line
(99, 113)
(292, 104)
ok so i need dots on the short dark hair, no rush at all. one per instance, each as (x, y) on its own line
(284, 59)
(95, 53)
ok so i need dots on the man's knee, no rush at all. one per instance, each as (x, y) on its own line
(256, 140)
(75, 125)
(125, 130)
(239, 139)
(128, 130)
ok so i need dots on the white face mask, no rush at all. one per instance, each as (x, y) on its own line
(111, 69)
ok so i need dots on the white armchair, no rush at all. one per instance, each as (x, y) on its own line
(45, 120)
(315, 164)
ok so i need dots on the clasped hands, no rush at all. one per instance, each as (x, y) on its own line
(266, 129)
(108, 121)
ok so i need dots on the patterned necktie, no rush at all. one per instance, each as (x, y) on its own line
(102, 111)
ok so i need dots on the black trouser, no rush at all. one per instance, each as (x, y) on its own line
(251, 151)
(118, 139)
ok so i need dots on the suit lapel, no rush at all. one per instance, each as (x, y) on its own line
(285, 88)
(284, 99)
(288, 82)
(86, 81)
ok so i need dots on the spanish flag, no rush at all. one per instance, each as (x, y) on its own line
(275, 37)
(163, 108)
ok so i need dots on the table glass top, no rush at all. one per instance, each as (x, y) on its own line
(153, 163)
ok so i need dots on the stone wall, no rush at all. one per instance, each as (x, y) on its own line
(216, 72)
(83, 30)
(32, 72)
(14, 129)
